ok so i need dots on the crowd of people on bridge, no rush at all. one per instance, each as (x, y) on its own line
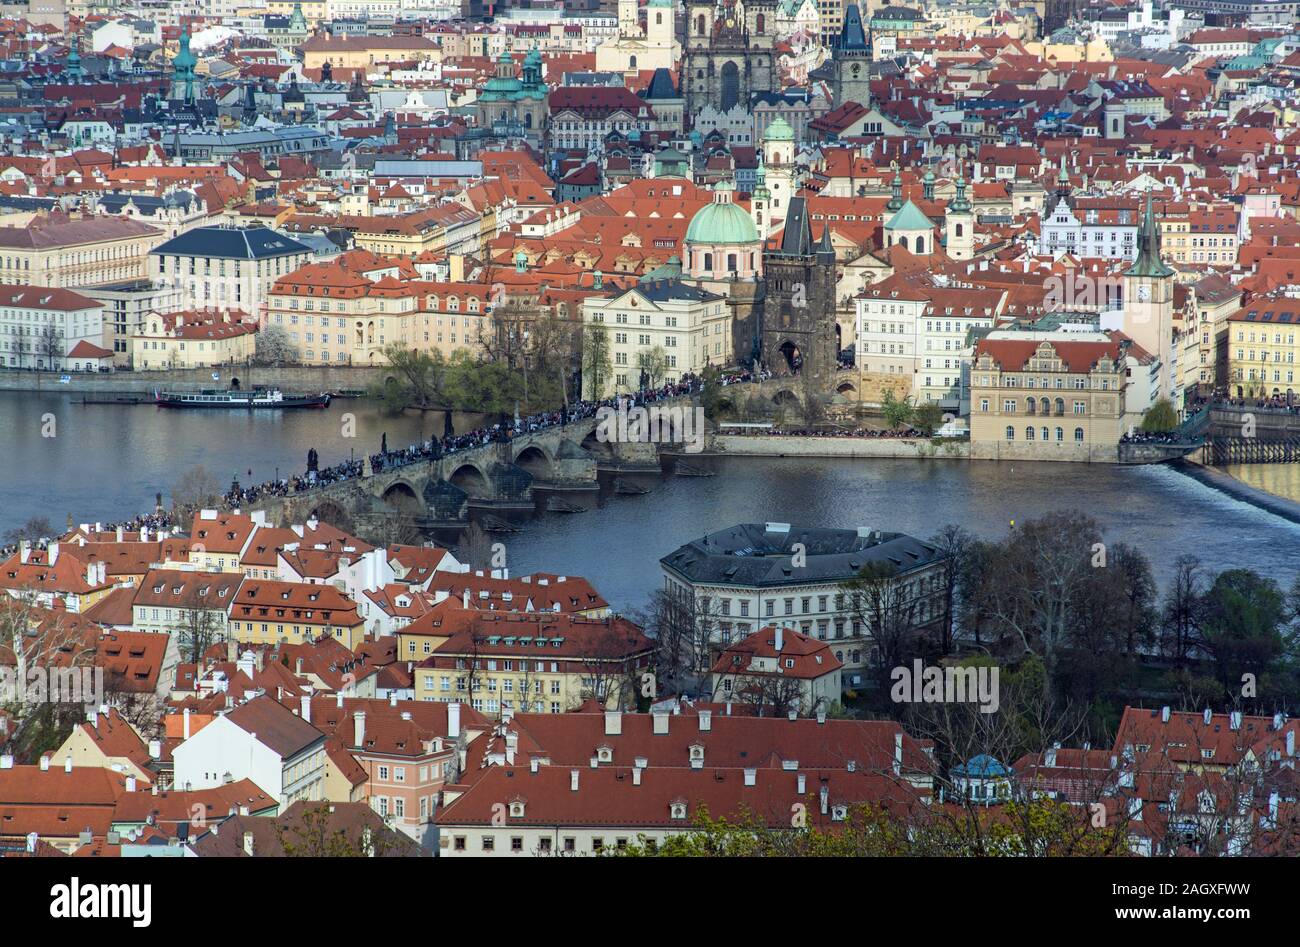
(434, 448)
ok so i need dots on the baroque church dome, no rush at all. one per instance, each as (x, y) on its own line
(721, 222)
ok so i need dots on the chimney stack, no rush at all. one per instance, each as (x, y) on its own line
(636, 776)
(306, 707)
(1164, 714)
(660, 723)
(453, 721)
(780, 638)
(359, 718)
(613, 723)
(898, 752)
(801, 784)
(706, 720)
(185, 722)
(573, 780)
(248, 843)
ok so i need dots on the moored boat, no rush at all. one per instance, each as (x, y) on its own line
(256, 397)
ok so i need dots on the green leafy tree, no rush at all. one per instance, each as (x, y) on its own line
(597, 362)
(1160, 417)
(418, 379)
(897, 411)
(927, 418)
(1242, 623)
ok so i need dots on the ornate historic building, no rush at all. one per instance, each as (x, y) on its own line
(728, 52)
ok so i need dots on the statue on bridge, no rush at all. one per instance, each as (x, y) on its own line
(313, 461)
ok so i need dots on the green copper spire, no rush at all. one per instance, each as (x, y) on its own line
(959, 204)
(895, 203)
(1148, 262)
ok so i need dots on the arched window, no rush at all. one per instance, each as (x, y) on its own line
(1078, 435)
(1046, 435)
(699, 24)
(760, 23)
(631, 62)
(1029, 433)
(958, 230)
(708, 262)
(1011, 433)
(1047, 409)
(1060, 406)
(1029, 405)
(920, 245)
(731, 262)
(902, 242)
(1060, 435)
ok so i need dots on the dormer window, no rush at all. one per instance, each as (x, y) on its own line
(677, 810)
(517, 809)
(604, 754)
(697, 752)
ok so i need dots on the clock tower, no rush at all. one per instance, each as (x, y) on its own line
(1149, 300)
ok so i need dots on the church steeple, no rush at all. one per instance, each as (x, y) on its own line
(895, 203)
(1148, 263)
(72, 68)
(183, 70)
(959, 204)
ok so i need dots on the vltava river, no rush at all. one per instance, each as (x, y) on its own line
(106, 462)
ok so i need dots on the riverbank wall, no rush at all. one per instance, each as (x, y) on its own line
(1231, 486)
(293, 378)
(741, 445)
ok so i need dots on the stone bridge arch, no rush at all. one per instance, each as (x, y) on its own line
(535, 459)
(403, 498)
(470, 478)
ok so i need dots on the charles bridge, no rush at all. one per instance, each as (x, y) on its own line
(555, 465)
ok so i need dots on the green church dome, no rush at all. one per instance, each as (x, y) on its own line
(779, 130)
(721, 223)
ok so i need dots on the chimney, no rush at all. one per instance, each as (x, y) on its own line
(821, 713)
(297, 667)
(248, 843)
(464, 600)
(801, 784)
(92, 718)
(359, 718)
(52, 553)
(751, 777)
(453, 721)
(1234, 720)
(898, 753)
(1164, 714)
(1209, 715)
(130, 784)
(185, 722)
(338, 700)
(119, 534)
(392, 698)
(660, 723)
(306, 707)
(573, 780)
(7, 761)
(45, 762)
(636, 776)
(1049, 758)
(613, 723)
(24, 551)
(1290, 743)
(534, 764)
(793, 713)
(706, 720)
(824, 798)
(155, 749)
(1135, 809)
(780, 638)
(91, 573)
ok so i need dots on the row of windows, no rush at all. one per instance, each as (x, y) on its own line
(1060, 434)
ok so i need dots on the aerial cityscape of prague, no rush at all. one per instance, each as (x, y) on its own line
(627, 429)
